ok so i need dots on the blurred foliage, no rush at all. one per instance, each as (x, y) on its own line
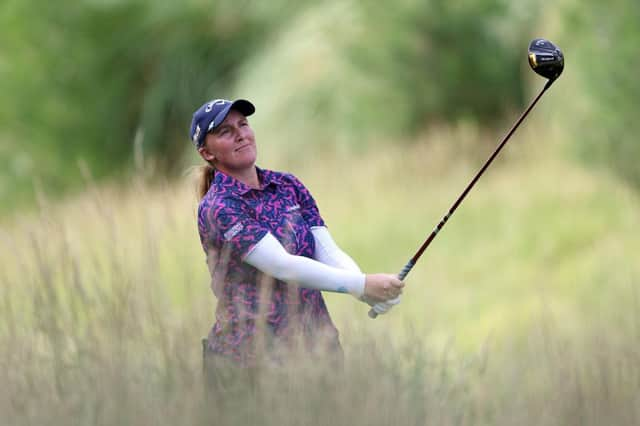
(85, 79)
(360, 74)
(113, 84)
(442, 61)
(605, 39)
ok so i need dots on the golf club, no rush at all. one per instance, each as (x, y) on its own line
(546, 60)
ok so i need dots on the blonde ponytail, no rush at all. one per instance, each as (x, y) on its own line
(206, 177)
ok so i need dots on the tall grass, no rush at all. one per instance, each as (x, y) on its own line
(523, 312)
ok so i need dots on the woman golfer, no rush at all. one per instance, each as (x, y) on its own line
(269, 253)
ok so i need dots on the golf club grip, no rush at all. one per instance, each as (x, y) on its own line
(405, 271)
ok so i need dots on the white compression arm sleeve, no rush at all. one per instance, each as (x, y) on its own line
(328, 252)
(270, 257)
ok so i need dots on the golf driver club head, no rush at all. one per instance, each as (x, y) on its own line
(546, 59)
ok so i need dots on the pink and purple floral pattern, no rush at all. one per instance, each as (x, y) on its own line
(255, 312)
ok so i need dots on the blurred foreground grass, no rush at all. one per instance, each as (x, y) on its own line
(523, 311)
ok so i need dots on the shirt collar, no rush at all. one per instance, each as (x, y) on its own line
(267, 177)
(224, 181)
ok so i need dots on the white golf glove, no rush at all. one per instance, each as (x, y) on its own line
(382, 308)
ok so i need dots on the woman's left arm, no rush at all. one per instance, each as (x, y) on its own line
(328, 252)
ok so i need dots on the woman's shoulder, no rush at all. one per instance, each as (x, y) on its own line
(214, 201)
(281, 177)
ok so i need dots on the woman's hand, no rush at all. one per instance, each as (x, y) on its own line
(382, 287)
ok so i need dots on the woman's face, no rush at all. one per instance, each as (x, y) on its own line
(232, 145)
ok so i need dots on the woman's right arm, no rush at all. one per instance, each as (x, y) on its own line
(270, 257)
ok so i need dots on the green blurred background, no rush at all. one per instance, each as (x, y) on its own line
(385, 110)
(112, 84)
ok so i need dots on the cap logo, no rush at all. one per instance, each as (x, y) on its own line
(210, 105)
(196, 134)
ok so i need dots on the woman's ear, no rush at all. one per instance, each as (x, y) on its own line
(205, 154)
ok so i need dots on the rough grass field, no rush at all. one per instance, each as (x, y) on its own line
(523, 311)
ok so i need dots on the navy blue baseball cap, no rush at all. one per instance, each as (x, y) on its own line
(210, 115)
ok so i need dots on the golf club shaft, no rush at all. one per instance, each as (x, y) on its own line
(411, 263)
